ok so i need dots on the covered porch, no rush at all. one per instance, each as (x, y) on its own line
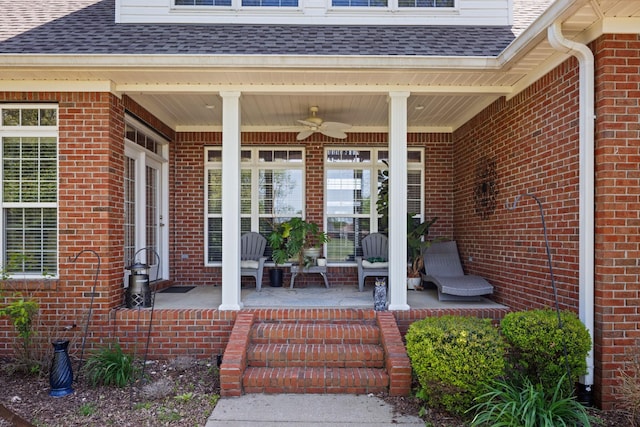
(311, 296)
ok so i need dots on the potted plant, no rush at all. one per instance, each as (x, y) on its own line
(289, 239)
(416, 243)
(416, 232)
(280, 254)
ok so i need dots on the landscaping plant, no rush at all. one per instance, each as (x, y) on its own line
(538, 346)
(630, 384)
(22, 312)
(111, 366)
(452, 356)
(525, 404)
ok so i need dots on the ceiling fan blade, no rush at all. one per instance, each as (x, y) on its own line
(308, 123)
(334, 133)
(305, 134)
(335, 126)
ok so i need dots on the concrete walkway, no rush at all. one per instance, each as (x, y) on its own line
(271, 410)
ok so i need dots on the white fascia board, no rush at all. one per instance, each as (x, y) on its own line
(537, 31)
(57, 86)
(326, 89)
(250, 61)
(621, 25)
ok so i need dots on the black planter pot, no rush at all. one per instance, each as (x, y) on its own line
(60, 374)
(275, 275)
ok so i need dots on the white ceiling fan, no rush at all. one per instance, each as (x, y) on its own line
(316, 124)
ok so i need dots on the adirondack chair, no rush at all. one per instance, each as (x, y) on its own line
(375, 258)
(443, 268)
(252, 259)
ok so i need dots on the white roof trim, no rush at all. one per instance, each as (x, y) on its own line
(252, 61)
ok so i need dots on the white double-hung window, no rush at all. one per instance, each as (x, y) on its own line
(272, 190)
(353, 177)
(29, 211)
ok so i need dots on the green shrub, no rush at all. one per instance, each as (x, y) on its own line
(538, 345)
(22, 312)
(523, 404)
(111, 366)
(451, 356)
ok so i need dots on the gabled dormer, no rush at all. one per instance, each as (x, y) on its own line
(320, 12)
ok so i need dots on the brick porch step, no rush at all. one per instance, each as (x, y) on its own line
(316, 355)
(315, 351)
(315, 380)
(315, 333)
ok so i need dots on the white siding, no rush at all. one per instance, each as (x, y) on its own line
(466, 12)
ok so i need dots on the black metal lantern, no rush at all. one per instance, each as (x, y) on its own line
(138, 294)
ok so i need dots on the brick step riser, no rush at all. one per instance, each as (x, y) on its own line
(301, 355)
(266, 333)
(314, 315)
(315, 380)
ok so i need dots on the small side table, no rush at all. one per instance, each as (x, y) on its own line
(321, 270)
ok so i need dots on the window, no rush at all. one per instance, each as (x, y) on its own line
(203, 2)
(29, 223)
(352, 180)
(359, 3)
(426, 3)
(394, 4)
(271, 191)
(270, 3)
(247, 3)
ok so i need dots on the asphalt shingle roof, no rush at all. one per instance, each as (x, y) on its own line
(88, 27)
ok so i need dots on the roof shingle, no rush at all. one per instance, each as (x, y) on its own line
(88, 27)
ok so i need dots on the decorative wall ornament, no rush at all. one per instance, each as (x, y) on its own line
(485, 192)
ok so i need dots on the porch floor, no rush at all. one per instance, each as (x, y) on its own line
(337, 296)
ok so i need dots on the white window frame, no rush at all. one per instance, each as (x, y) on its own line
(254, 165)
(30, 131)
(375, 166)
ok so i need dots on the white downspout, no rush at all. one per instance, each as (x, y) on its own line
(586, 186)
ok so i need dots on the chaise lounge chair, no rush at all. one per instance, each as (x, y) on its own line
(443, 268)
(374, 259)
(252, 259)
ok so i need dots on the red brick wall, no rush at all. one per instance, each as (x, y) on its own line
(90, 212)
(90, 154)
(617, 241)
(533, 139)
(196, 333)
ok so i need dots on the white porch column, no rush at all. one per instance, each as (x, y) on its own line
(398, 201)
(231, 298)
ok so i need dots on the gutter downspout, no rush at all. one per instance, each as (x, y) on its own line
(586, 183)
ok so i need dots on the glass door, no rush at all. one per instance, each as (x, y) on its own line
(145, 209)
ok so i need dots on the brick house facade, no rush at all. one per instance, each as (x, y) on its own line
(532, 138)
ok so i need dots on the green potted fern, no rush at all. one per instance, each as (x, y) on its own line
(289, 239)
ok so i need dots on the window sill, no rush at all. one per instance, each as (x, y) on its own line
(12, 285)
